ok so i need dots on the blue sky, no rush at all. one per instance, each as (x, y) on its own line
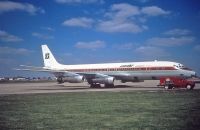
(96, 31)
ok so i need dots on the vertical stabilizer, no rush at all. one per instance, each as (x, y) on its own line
(48, 58)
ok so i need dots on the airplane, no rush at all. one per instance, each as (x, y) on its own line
(105, 74)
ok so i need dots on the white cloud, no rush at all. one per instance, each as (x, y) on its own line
(79, 1)
(120, 19)
(79, 22)
(197, 48)
(93, 45)
(14, 51)
(150, 51)
(7, 6)
(125, 17)
(4, 36)
(170, 41)
(154, 11)
(42, 36)
(116, 26)
(177, 32)
(123, 11)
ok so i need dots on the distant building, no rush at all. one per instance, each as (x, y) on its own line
(19, 78)
(2, 78)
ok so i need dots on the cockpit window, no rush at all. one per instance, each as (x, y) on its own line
(180, 66)
(177, 66)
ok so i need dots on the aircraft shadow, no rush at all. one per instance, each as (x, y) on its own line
(63, 87)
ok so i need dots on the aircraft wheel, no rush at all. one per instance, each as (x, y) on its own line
(60, 80)
(92, 86)
(166, 87)
(170, 86)
(189, 87)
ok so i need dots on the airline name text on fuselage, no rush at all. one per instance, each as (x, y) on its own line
(130, 65)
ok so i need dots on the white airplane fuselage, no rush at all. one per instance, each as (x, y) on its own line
(137, 70)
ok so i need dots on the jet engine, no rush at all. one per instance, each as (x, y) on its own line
(106, 80)
(71, 79)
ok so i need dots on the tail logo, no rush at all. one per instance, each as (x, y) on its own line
(46, 55)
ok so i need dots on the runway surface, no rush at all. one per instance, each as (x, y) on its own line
(53, 87)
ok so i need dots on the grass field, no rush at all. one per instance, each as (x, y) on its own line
(138, 110)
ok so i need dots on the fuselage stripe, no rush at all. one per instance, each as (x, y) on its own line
(121, 69)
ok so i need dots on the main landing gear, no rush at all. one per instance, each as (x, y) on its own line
(60, 80)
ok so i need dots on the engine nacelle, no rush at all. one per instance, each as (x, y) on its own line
(107, 80)
(70, 79)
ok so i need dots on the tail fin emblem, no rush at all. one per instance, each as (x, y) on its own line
(46, 55)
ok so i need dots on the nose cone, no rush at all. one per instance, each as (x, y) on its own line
(189, 73)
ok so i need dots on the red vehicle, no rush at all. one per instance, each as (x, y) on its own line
(176, 82)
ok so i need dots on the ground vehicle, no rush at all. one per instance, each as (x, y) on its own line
(176, 82)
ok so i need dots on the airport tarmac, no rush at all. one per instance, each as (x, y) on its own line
(53, 87)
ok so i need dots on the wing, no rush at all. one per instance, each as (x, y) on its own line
(56, 72)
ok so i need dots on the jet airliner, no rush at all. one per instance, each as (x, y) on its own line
(106, 73)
